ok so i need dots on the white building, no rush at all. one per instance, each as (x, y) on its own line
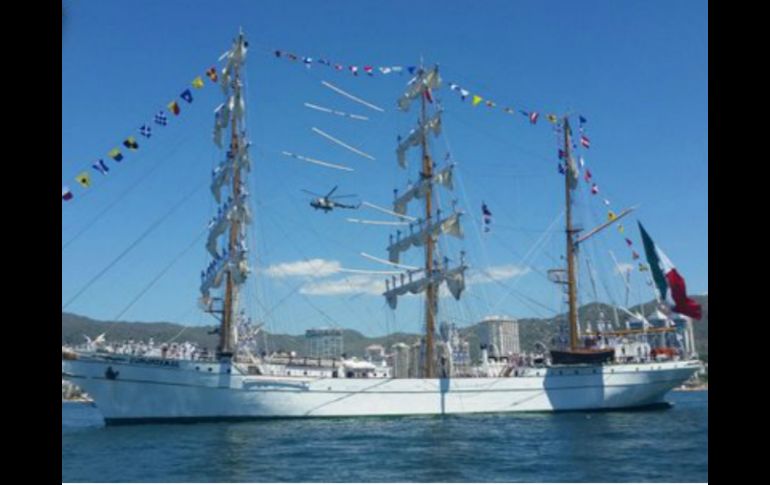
(324, 342)
(500, 336)
(375, 354)
(400, 360)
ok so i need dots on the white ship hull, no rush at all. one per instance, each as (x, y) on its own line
(189, 391)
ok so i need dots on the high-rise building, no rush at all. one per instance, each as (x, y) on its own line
(500, 335)
(324, 342)
(400, 360)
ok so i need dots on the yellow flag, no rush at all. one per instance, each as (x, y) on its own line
(621, 229)
(197, 82)
(477, 99)
(84, 179)
(552, 118)
(611, 216)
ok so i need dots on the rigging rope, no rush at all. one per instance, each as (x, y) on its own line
(131, 246)
(161, 274)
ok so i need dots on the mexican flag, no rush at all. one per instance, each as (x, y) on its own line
(665, 276)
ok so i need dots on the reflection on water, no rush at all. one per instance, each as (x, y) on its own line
(656, 445)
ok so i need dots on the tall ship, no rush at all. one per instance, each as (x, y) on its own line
(233, 383)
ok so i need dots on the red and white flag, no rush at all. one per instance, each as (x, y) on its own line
(585, 141)
(533, 117)
(666, 277)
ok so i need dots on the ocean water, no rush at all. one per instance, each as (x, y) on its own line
(662, 445)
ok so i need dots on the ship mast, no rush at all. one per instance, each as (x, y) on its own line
(432, 225)
(571, 249)
(431, 306)
(226, 340)
(230, 265)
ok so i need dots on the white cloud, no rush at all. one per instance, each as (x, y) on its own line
(374, 284)
(496, 273)
(351, 285)
(306, 268)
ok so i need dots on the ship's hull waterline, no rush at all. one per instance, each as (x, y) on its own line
(127, 391)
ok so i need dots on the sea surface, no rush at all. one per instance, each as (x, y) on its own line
(662, 445)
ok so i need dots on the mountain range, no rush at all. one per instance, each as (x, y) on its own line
(531, 331)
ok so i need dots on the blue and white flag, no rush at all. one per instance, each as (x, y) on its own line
(145, 131)
(101, 167)
(161, 119)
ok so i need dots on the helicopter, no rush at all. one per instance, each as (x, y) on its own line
(327, 203)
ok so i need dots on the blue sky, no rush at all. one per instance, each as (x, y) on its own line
(636, 70)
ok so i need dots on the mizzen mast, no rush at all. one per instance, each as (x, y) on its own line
(569, 184)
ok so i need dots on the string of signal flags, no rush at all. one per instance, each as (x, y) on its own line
(144, 132)
(370, 71)
(475, 100)
(131, 143)
(566, 166)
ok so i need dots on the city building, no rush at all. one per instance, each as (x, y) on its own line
(400, 360)
(500, 336)
(324, 342)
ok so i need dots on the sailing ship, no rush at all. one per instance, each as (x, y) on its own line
(234, 384)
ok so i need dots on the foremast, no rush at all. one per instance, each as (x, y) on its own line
(227, 230)
(430, 227)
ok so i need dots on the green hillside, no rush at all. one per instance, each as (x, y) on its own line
(531, 330)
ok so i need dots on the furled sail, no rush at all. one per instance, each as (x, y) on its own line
(226, 214)
(424, 80)
(221, 120)
(413, 139)
(219, 177)
(213, 276)
(236, 264)
(443, 177)
(237, 105)
(455, 281)
(395, 287)
(449, 225)
(235, 56)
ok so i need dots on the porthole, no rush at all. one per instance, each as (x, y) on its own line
(210, 369)
(577, 372)
(197, 367)
(594, 371)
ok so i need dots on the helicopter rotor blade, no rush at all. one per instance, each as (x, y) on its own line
(311, 193)
(331, 192)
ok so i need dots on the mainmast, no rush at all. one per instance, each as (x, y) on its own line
(571, 248)
(428, 228)
(233, 215)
